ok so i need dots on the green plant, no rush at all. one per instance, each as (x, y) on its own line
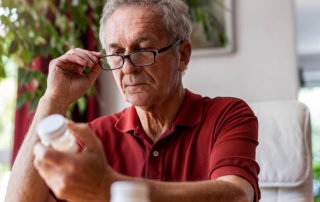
(49, 28)
(43, 28)
(203, 12)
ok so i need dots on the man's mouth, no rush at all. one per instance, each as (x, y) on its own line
(134, 84)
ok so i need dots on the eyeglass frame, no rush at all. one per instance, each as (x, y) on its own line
(155, 53)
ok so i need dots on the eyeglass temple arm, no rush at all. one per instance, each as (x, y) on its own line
(170, 46)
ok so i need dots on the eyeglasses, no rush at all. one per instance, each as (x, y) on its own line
(139, 58)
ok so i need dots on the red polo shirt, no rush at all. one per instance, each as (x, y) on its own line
(209, 138)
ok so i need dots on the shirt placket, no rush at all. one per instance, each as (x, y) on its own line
(154, 161)
(156, 155)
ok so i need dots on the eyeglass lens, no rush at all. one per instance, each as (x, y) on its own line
(138, 58)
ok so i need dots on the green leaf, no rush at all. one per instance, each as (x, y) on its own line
(27, 18)
(92, 91)
(36, 75)
(8, 3)
(43, 50)
(43, 82)
(2, 45)
(5, 20)
(13, 47)
(22, 75)
(39, 40)
(65, 5)
(29, 77)
(82, 104)
(79, 18)
(23, 98)
(34, 102)
(2, 71)
(86, 70)
(223, 39)
(69, 110)
(192, 3)
(27, 56)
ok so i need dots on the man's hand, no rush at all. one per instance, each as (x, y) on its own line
(83, 176)
(66, 82)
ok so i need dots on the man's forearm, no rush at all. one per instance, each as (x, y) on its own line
(204, 191)
(25, 184)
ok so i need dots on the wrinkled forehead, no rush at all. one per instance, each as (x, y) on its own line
(132, 22)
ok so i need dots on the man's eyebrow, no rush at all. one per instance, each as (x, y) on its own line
(142, 39)
(137, 41)
(113, 45)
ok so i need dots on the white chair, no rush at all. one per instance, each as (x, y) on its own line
(284, 151)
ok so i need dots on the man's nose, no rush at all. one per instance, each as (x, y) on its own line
(129, 67)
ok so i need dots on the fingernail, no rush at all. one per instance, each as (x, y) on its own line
(37, 150)
(97, 52)
(70, 123)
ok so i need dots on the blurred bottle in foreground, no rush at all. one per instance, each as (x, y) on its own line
(53, 131)
(126, 191)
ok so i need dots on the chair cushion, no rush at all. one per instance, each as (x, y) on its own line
(284, 151)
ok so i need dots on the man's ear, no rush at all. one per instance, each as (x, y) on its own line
(185, 51)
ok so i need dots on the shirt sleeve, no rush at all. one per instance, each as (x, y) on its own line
(234, 144)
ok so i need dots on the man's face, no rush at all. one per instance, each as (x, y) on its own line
(135, 28)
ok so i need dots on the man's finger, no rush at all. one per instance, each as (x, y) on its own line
(51, 175)
(85, 135)
(51, 156)
(97, 54)
(90, 61)
(44, 168)
(64, 62)
(94, 73)
(88, 53)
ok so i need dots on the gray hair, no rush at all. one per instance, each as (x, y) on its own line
(174, 13)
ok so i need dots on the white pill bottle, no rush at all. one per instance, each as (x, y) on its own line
(126, 191)
(53, 131)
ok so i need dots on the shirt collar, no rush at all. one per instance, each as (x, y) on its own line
(189, 114)
(128, 120)
(191, 110)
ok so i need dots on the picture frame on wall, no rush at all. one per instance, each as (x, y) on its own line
(222, 41)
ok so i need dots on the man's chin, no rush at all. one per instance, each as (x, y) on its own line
(139, 99)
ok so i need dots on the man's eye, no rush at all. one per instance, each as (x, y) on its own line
(115, 53)
(145, 49)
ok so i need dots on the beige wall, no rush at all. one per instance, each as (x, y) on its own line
(263, 66)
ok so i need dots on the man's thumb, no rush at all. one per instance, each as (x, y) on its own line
(84, 133)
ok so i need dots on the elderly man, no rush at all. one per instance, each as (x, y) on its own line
(184, 146)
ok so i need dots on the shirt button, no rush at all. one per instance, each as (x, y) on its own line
(155, 153)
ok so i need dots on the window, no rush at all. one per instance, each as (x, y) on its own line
(8, 91)
(311, 97)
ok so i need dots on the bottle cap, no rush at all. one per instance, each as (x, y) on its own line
(51, 127)
(129, 191)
